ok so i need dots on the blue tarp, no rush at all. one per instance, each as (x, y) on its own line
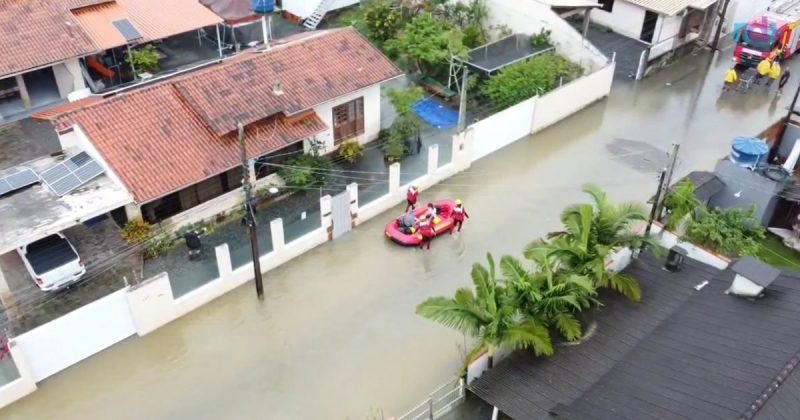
(435, 114)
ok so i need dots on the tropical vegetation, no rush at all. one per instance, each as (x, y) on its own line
(522, 305)
(307, 170)
(733, 232)
(395, 142)
(351, 151)
(521, 81)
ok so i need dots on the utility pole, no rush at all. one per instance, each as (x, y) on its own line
(667, 179)
(462, 106)
(653, 209)
(715, 44)
(792, 109)
(249, 217)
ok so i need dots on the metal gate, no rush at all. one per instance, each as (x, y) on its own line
(340, 214)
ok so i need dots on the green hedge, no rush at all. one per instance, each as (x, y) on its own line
(522, 81)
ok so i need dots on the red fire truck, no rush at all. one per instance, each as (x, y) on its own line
(774, 34)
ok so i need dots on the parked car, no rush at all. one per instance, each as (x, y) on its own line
(53, 262)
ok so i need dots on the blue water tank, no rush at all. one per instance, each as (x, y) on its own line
(749, 151)
(263, 6)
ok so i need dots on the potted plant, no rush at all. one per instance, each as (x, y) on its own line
(143, 60)
(351, 151)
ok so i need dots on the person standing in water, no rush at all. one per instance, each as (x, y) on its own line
(412, 195)
(459, 214)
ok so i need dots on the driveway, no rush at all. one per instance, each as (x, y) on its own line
(96, 246)
(628, 50)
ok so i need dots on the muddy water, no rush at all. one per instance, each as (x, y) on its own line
(337, 335)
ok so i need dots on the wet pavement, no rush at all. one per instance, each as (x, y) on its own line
(337, 334)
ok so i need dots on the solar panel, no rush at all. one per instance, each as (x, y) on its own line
(71, 174)
(20, 178)
(125, 27)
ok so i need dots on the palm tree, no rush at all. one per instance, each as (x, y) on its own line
(488, 314)
(682, 205)
(591, 234)
(552, 296)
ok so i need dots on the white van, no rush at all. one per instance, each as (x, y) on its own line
(53, 262)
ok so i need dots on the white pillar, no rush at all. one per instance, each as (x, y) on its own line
(276, 228)
(325, 209)
(133, 212)
(6, 297)
(219, 41)
(23, 91)
(394, 178)
(352, 191)
(264, 32)
(224, 265)
(495, 413)
(433, 158)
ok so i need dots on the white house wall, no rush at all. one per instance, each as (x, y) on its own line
(668, 27)
(624, 18)
(68, 77)
(304, 8)
(372, 115)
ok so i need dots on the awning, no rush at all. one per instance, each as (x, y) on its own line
(702, 4)
(571, 3)
(230, 10)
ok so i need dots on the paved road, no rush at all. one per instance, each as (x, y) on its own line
(337, 333)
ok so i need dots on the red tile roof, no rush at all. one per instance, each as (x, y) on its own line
(157, 145)
(311, 70)
(53, 113)
(36, 33)
(162, 138)
(153, 19)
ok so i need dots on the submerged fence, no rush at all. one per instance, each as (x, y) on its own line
(439, 402)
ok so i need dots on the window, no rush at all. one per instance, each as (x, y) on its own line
(348, 120)
(607, 5)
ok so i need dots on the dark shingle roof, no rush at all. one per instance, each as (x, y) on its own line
(756, 271)
(680, 353)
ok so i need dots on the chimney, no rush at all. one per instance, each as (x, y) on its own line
(751, 278)
(277, 89)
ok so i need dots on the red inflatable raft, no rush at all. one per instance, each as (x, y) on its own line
(444, 215)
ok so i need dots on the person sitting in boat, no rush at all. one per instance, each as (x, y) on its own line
(432, 213)
(407, 223)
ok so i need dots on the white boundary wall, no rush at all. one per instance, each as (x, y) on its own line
(668, 239)
(145, 307)
(77, 335)
(538, 113)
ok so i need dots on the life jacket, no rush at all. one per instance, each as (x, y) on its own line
(763, 67)
(775, 71)
(458, 213)
(731, 77)
(411, 195)
(426, 229)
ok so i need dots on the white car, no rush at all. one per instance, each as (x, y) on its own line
(53, 262)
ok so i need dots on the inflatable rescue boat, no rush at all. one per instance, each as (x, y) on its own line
(398, 231)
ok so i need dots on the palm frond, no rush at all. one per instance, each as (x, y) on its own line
(529, 335)
(512, 269)
(626, 285)
(484, 287)
(568, 326)
(451, 314)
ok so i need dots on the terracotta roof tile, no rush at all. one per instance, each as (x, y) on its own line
(35, 33)
(156, 145)
(312, 70)
(160, 139)
(53, 113)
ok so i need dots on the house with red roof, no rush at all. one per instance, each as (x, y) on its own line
(174, 144)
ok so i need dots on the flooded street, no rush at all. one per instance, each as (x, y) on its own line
(337, 335)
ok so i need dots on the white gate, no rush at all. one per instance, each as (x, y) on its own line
(340, 214)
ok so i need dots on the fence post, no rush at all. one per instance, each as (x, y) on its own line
(642, 64)
(433, 158)
(394, 178)
(430, 407)
(460, 387)
(325, 212)
(224, 265)
(276, 229)
(352, 190)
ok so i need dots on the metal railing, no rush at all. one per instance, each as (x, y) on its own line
(439, 402)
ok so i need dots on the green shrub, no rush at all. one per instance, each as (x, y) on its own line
(351, 151)
(159, 245)
(307, 170)
(136, 231)
(733, 232)
(394, 144)
(541, 39)
(473, 37)
(144, 59)
(381, 20)
(522, 81)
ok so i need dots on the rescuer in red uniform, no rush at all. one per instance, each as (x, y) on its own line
(426, 231)
(412, 195)
(459, 213)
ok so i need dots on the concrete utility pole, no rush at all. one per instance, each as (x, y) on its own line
(249, 217)
(667, 180)
(654, 209)
(715, 44)
(462, 105)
